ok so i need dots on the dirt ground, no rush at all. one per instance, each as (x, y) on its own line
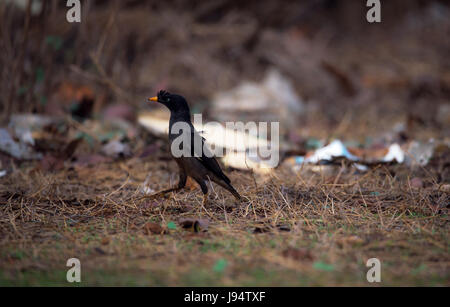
(300, 225)
(315, 226)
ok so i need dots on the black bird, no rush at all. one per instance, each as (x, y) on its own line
(197, 161)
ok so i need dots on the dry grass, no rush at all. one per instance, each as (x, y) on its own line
(317, 226)
(308, 228)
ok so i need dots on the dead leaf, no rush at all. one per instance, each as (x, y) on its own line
(194, 225)
(297, 254)
(153, 228)
(70, 148)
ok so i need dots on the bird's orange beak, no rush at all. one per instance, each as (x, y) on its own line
(153, 99)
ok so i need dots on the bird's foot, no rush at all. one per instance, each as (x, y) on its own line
(155, 195)
(205, 200)
(162, 193)
(237, 202)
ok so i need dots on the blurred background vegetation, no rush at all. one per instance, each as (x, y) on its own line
(74, 162)
(124, 51)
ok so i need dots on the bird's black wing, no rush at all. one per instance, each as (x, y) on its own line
(206, 158)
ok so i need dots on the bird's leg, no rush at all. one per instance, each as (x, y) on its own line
(204, 188)
(205, 200)
(161, 193)
(229, 188)
(181, 185)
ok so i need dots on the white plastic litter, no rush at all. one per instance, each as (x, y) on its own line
(234, 142)
(333, 150)
(272, 99)
(337, 149)
(145, 188)
(18, 150)
(116, 149)
(420, 153)
(240, 160)
(395, 153)
(216, 135)
(36, 6)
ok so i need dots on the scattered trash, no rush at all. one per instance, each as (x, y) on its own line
(359, 157)
(146, 189)
(17, 149)
(116, 149)
(234, 142)
(419, 154)
(108, 130)
(313, 143)
(27, 126)
(395, 154)
(156, 122)
(333, 150)
(216, 135)
(240, 160)
(272, 99)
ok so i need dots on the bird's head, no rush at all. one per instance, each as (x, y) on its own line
(175, 103)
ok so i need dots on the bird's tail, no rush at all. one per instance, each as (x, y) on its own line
(234, 192)
(227, 186)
